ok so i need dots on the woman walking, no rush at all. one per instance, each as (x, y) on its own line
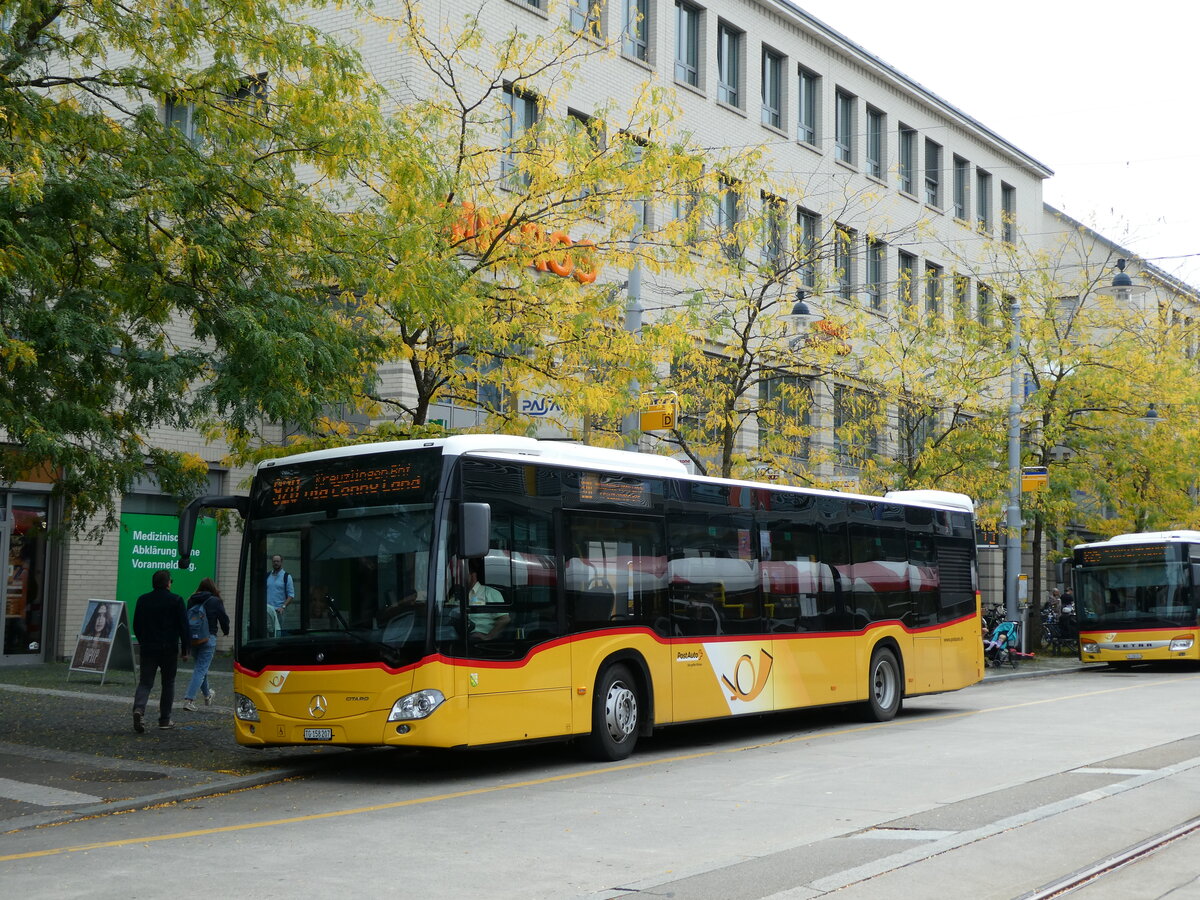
(208, 596)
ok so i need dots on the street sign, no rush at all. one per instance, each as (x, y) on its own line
(1034, 478)
(658, 417)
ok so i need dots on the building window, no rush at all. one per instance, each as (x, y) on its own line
(588, 136)
(876, 123)
(843, 126)
(786, 404)
(808, 224)
(933, 173)
(843, 261)
(983, 200)
(637, 26)
(585, 17)
(983, 305)
(687, 43)
(808, 89)
(876, 255)
(855, 436)
(182, 115)
(728, 216)
(772, 88)
(933, 289)
(774, 231)
(962, 297)
(906, 286)
(962, 177)
(522, 119)
(729, 64)
(908, 158)
(1008, 211)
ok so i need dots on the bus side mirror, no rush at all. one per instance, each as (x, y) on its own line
(191, 512)
(474, 531)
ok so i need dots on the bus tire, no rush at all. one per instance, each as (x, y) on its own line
(615, 715)
(884, 694)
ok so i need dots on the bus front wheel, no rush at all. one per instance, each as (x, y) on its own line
(615, 714)
(884, 687)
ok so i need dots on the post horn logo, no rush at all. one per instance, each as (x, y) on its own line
(748, 681)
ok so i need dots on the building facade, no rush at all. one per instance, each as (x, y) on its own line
(917, 193)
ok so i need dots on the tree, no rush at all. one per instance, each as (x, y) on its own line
(499, 231)
(171, 255)
(743, 371)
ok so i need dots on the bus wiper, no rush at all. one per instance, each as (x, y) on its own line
(386, 653)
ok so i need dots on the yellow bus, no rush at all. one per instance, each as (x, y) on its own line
(486, 590)
(1136, 597)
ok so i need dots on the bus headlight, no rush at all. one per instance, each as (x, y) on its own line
(416, 706)
(244, 708)
(1181, 643)
(1090, 647)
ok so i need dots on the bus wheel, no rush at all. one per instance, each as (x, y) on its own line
(614, 715)
(883, 690)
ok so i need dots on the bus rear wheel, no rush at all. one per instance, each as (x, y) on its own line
(615, 715)
(884, 692)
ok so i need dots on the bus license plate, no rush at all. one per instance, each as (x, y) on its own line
(318, 734)
(1133, 656)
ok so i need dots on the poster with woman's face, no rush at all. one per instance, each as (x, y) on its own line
(101, 620)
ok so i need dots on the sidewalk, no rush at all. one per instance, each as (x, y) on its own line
(67, 746)
(1040, 664)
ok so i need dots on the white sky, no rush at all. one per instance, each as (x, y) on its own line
(1101, 94)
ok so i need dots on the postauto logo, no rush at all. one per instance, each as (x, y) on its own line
(749, 679)
(744, 675)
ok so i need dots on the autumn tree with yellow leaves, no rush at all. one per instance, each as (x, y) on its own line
(171, 256)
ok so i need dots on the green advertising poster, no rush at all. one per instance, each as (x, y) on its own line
(149, 543)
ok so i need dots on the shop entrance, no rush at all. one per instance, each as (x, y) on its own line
(23, 545)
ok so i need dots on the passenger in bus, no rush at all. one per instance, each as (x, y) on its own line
(281, 591)
(486, 625)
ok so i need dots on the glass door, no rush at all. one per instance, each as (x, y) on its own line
(23, 544)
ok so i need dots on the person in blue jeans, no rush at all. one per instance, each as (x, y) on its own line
(208, 596)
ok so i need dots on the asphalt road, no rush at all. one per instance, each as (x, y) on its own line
(1032, 778)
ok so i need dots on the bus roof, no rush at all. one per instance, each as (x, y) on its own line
(1148, 537)
(625, 462)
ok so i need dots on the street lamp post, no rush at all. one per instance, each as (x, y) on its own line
(1013, 523)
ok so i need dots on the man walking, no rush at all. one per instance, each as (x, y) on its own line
(160, 625)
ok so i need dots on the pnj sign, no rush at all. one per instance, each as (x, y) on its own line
(539, 407)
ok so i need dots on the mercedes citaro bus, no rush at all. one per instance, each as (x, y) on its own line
(1136, 597)
(486, 590)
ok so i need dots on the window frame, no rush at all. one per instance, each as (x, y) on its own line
(635, 30)
(875, 143)
(687, 41)
(845, 106)
(808, 106)
(730, 42)
(962, 188)
(933, 173)
(773, 66)
(876, 262)
(906, 169)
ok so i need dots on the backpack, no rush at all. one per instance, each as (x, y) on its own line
(197, 619)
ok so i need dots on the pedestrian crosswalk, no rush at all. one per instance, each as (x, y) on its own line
(42, 795)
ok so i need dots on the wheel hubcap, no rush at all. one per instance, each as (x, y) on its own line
(884, 685)
(620, 711)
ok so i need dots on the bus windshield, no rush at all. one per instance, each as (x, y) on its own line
(357, 579)
(1146, 595)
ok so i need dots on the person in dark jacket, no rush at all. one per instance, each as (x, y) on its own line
(209, 597)
(160, 625)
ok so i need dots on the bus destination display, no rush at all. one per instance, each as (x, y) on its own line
(594, 488)
(1122, 554)
(369, 480)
